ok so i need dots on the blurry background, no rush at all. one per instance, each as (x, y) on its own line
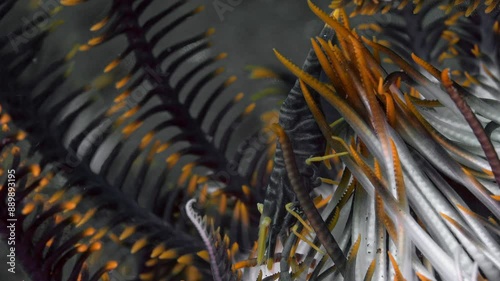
(247, 31)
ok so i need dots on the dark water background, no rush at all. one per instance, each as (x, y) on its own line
(248, 33)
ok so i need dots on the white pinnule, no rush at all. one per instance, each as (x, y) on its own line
(200, 223)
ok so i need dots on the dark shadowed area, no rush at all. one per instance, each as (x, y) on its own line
(247, 32)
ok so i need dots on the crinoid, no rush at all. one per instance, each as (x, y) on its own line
(103, 169)
(385, 165)
(415, 147)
